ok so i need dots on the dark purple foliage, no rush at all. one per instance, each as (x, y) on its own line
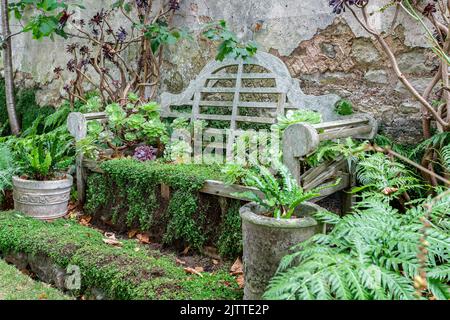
(98, 18)
(174, 5)
(339, 5)
(71, 65)
(429, 9)
(58, 71)
(145, 153)
(143, 4)
(84, 50)
(63, 19)
(122, 34)
(71, 47)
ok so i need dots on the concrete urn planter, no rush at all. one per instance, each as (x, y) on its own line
(267, 240)
(44, 200)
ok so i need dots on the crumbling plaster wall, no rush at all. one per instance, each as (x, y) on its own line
(328, 54)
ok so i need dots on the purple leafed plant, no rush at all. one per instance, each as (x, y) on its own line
(339, 5)
(145, 153)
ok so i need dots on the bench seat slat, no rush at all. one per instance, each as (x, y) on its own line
(241, 104)
(238, 118)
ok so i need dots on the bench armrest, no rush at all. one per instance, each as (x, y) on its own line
(301, 139)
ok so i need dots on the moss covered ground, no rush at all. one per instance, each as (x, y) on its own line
(130, 271)
(14, 285)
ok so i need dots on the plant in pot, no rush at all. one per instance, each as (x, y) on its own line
(277, 219)
(43, 189)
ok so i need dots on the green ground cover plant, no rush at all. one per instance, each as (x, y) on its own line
(14, 285)
(130, 191)
(130, 271)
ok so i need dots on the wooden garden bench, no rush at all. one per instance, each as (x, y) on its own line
(233, 95)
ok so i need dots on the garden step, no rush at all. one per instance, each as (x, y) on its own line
(14, 285)
(128, 270)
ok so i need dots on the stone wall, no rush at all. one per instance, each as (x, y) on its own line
(328, 54)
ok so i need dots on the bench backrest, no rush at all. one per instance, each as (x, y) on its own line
(253, 91)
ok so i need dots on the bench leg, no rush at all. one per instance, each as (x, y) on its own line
(347, 201)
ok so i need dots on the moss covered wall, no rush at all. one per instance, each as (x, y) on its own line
(128, 196)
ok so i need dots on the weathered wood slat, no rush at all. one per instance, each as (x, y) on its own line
(204, 103)
(262, 90)
(92, 165)
(95, 116)
(219, 188)
(337, 164)
(343, 133)
(342, 185)
(232, 76)
(241, 104)
(312, 173)
(331, 172)
(237, 118)
(340, 123)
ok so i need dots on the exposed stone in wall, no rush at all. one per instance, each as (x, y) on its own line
(336, 61)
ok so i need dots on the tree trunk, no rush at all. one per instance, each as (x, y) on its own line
(8, 68)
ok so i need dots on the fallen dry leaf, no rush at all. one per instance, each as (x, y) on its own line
(43, 296)
(241, 281)
(85, 220)
(215, 262)
(132, 233)
(112, 242)
(178, 261)
(193, 271)
(111, 239)
(237, 268)
(388, 190)
(72, 206)
(186, 250)
(143, 238)
(199, 269)
(72, 215)
(110, 235)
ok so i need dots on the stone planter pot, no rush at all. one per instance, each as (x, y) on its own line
(45, 200)
(267, 240)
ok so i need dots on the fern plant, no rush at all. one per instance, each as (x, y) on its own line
(440, 143)
(371, 254)
(8, 168)
(46, 156)
(385, 177)
(282, 194)
(329, 150)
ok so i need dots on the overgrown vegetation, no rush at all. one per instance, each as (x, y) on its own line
(379, 251)
(127, 272)
(130, 192)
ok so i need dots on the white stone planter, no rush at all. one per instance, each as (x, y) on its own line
(45, 200)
